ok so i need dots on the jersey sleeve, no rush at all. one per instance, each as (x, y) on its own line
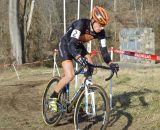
(103, 47)
(74, 38)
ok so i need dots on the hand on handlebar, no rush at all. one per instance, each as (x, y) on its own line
(114, 67)
(82, 61)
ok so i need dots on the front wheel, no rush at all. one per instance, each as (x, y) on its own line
(98, 121)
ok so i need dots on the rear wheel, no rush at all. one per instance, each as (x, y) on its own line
(99, 121)
(50, 117)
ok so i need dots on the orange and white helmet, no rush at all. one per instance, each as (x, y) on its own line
(100, 15)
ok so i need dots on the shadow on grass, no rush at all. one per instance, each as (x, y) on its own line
(115, 116)
(124, 101)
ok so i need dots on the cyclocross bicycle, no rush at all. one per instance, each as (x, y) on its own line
(90, 104)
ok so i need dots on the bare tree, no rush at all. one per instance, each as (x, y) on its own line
(26, 8)
(15, 36)
(30, 15)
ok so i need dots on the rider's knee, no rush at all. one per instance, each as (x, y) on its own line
(69, 77)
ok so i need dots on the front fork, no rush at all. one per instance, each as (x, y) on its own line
(89, 100)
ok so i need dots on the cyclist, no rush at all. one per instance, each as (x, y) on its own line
(81, 31)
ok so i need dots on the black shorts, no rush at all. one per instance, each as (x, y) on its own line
(65, 54)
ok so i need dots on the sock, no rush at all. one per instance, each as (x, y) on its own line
(54, 95)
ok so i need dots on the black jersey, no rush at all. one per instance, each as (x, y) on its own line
(78, 33)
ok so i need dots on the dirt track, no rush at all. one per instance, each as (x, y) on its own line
(20, 105)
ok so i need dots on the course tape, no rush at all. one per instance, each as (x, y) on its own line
(31, 63)
(138, 55)
(130, 53)
(54, 52)
(94, 53)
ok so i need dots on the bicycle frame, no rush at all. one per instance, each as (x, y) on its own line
(77, 94)
(75, 97)
(84, 86)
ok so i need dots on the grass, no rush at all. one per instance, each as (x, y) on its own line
(136, 92)
(136, 96)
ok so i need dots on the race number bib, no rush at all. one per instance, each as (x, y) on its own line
(76, 33)
(103, 43)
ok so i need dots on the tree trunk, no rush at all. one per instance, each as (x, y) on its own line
(30, 15)
(16, 42)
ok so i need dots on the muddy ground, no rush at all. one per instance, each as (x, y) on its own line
(21, 107)
(21, 104)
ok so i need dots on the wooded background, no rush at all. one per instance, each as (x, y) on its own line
(46, 26)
